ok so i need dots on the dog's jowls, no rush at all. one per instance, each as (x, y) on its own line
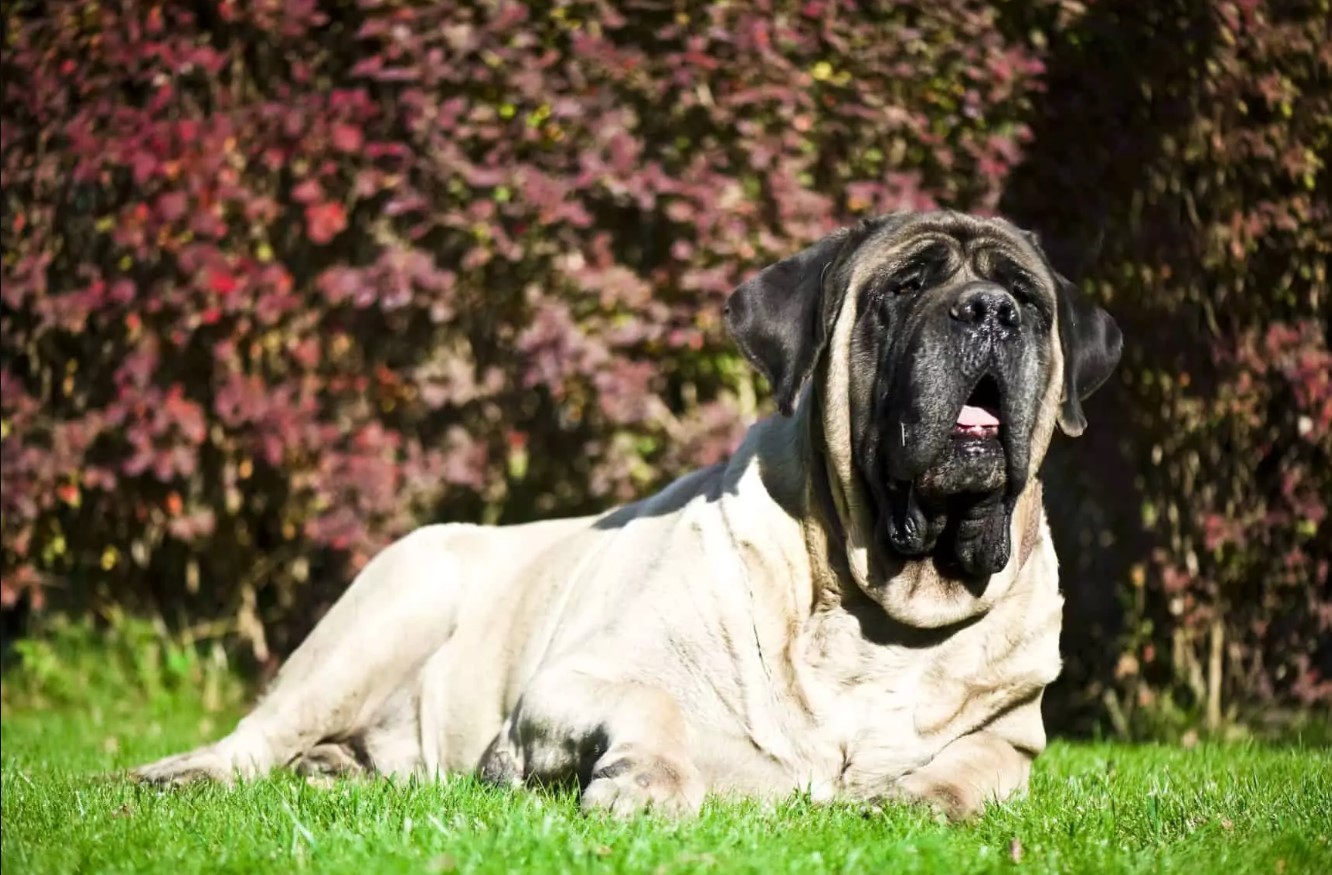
(862, 601)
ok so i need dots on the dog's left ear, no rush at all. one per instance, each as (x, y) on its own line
(1092, 343)
(777, 318)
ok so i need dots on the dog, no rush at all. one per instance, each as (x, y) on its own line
(861, 603)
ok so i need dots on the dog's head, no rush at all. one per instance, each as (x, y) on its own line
(951, 348)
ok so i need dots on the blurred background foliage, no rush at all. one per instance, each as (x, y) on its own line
(282, 280)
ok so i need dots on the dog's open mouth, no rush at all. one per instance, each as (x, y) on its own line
(979, 417)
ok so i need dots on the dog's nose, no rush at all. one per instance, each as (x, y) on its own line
(982, 303)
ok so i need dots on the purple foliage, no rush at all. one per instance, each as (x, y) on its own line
(283, 280)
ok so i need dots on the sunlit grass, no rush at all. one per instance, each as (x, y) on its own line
(1093, 808)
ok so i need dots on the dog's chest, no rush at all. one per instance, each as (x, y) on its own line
(870, 707)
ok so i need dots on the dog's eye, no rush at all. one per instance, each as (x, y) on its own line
(1018, 282)
(1020, 290)
(906, 284)
(1030, 299)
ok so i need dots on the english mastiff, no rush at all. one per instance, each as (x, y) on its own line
(861, 603)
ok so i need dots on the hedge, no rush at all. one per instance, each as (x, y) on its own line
(283, 280)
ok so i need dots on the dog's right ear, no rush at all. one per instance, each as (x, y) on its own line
(1090, 340)
(1092, 344)
(777, 319)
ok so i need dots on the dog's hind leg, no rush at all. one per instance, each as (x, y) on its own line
(400, 609)
(625, 742)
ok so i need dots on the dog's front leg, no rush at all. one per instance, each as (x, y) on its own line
(624, 742)
(974, 771)
(989, 765)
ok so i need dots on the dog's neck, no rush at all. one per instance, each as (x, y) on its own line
(849, 564)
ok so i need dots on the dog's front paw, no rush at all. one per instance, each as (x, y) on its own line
(328, 760)
(626, 784)
(500, 767)
(204, 764)
(955, 800)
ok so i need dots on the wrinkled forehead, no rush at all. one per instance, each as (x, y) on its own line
(992, 244)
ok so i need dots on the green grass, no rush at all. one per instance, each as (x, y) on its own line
(1094, 808)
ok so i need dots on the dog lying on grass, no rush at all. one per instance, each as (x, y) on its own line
(861, 602)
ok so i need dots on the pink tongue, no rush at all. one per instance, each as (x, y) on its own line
(976, 417)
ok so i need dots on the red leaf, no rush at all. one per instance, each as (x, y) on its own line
(221, 282)
(122, 291)
(325, 221)
(171, 206)
(345, 137)
(308, 192)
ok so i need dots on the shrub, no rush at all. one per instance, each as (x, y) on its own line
(1191, 186)
(283, 280)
